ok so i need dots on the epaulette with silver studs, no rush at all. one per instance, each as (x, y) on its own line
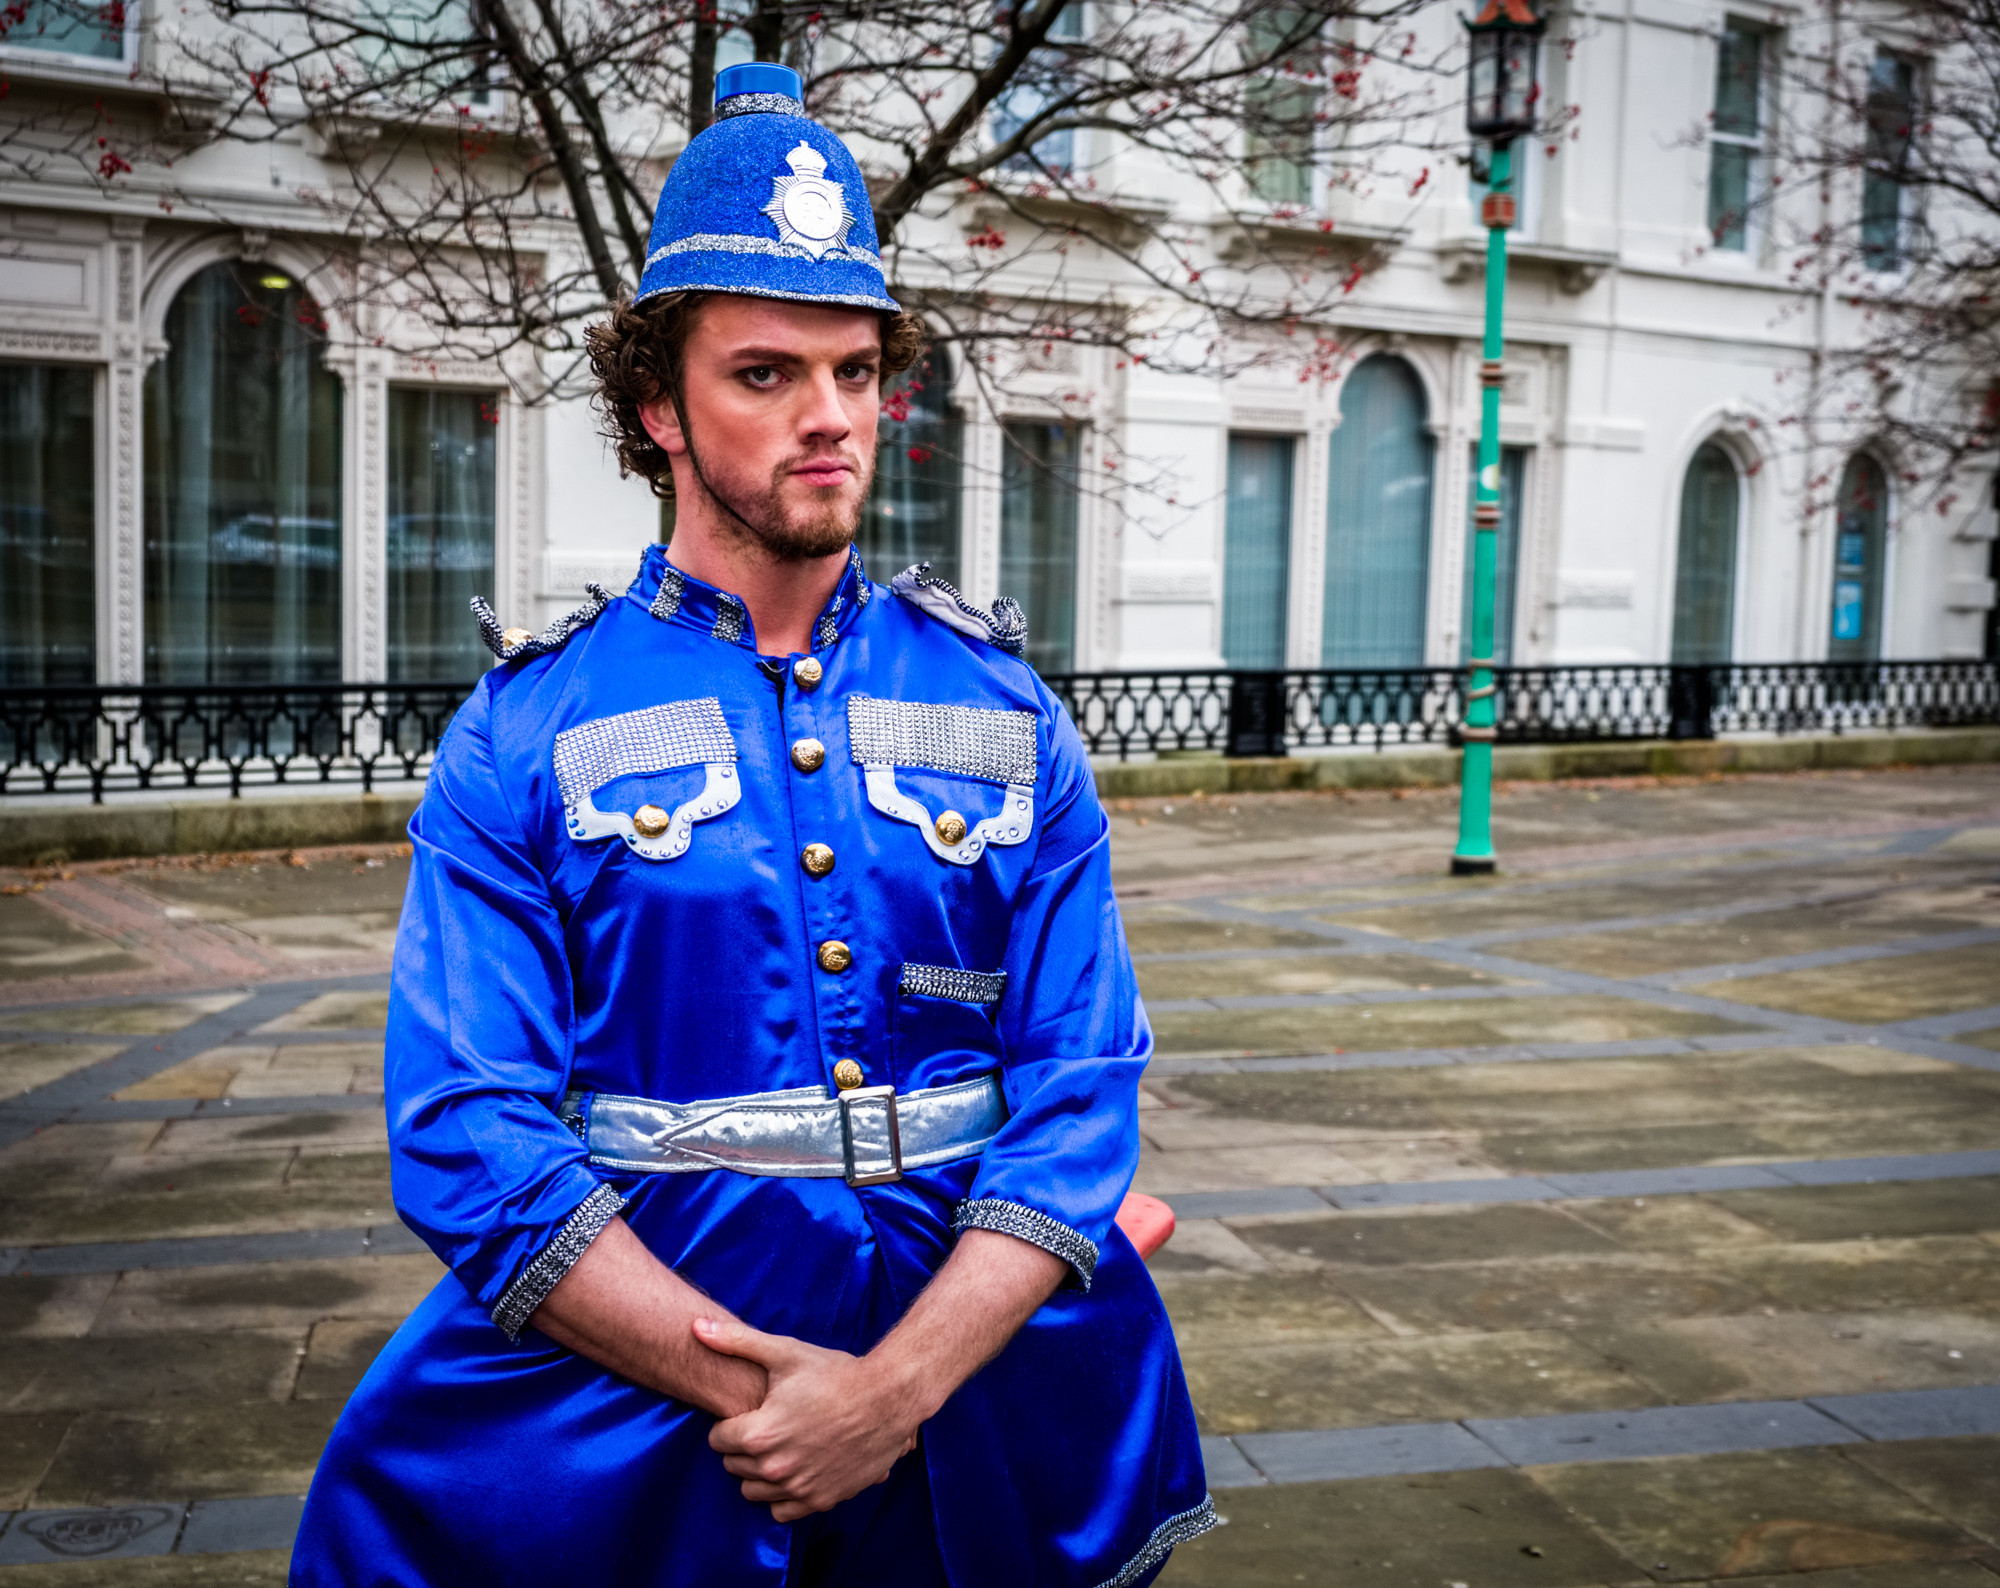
(517, 644)
(1005, 626)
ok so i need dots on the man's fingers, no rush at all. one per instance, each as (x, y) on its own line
(733, 1337)
(739, 1435)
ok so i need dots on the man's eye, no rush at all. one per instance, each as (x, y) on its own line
(762, 375)
(857, 372)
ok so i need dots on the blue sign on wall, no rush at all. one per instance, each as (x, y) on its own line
(1847, 609)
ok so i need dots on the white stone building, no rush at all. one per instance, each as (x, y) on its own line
(198, 488)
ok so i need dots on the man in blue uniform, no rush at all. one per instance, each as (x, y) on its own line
(763, 1049)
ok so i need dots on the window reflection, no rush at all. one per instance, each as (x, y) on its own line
(913, 508)
(1256, 550)
(243, 487)
(1860, 551)
(440, 542)
(48, 525)
(1705, 558)
(1378, 520)
(1506, 553)
(1038, 513)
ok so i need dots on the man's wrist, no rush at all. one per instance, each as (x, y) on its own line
(902, 1385)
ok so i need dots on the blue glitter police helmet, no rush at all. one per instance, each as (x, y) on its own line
(766, 203)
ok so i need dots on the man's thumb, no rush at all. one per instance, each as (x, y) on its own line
(734, 1338)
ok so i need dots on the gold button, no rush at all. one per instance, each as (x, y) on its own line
(650, 821)
(835, 956)
(951, 828)
(509, 638)
(808, 755)
(808, 672)
(818, 861)
(847, 1075)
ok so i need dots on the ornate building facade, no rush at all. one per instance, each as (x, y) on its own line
(206, 476)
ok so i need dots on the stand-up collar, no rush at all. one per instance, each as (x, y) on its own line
(674, 596)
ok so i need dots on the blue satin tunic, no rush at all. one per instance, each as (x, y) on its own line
(560, 936)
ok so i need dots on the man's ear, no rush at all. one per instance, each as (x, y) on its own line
(663, 423)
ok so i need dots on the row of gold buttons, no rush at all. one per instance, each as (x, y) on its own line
(834, 956)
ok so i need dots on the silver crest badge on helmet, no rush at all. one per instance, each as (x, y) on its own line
(809, 211)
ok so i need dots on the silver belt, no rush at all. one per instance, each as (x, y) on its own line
(866, 1136)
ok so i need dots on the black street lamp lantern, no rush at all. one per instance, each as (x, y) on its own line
(1502, 98)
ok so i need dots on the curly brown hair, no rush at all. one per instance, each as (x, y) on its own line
(636, 356)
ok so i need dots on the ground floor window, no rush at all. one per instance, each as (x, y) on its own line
(1860, 550)
(1257, 550)
(1378, 520)
(913, 508)
(48, 525)
(1038, 536)
(1507, 551)
(1705, 558)
(243, 575)
(440, 542)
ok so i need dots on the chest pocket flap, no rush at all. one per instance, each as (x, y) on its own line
(966, 741)
(634, 743)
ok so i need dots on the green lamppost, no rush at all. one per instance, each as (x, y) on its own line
(1501, 105)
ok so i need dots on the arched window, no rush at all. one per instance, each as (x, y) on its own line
(912, 513)
(1860, 548)
(1378, 520)
(1705, 561)
(243, 487)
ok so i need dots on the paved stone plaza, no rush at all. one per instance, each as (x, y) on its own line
(1629, 1217)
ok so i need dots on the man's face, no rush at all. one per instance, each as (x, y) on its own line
(780, 402)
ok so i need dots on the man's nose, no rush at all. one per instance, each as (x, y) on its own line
(822, 415)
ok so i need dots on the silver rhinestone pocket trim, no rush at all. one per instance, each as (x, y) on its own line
(552, 638)
(672, 589)
(518, 1302)
(758, 104)
(658, 739)
(960, 986)
(1030, 1225)
(1191, 1523)
(998, 745)
(730, 617)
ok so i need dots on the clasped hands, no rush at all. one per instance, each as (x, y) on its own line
(830, 1425)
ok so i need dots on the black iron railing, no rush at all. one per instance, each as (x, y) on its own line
(1271, 713)
(115, 739)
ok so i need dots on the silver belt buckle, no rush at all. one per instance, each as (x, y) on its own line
(869, 1137)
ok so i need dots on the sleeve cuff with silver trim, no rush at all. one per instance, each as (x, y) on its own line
(1031, 1225)
(519, 1301)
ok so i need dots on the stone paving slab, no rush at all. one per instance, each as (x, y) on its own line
(1323, 1455)
(209, 1251)
(1919, 1414)
(1685, 1180)
(1660, 1431)
(34, 1537)
(1799, 1512)
(230, 1526)
(1644, 1433)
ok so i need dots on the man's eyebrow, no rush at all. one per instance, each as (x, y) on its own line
(777, 355)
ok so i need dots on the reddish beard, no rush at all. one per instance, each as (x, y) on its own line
(824, 524)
